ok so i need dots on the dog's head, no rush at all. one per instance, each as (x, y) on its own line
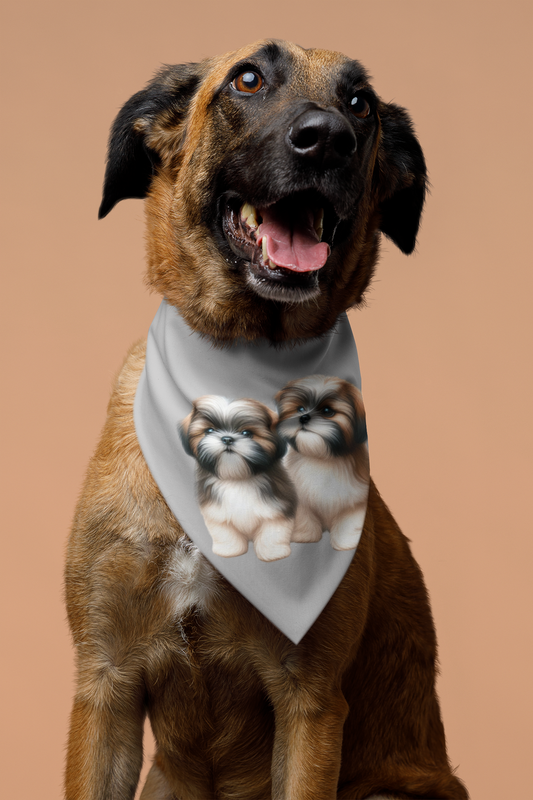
(321, 417)
(269, 173)
(232, 439)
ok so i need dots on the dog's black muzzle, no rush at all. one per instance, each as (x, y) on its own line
(297, 181)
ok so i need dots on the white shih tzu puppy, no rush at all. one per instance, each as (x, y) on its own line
(244, 492)
(323, 420)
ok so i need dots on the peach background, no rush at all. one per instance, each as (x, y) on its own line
(446, 377)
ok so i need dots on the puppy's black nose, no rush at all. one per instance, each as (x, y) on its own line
(322, 138)
(227, 439)
(305, 418)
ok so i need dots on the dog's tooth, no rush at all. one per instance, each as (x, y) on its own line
(319, 224)
(266, 260)
(249, 215)
(246, 210)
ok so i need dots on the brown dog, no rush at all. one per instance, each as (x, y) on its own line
(296, 141)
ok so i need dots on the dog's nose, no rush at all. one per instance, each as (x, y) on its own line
(323, 137)
(305, 418)
(227, 439)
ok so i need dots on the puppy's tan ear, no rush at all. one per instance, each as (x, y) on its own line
(130, 162)
(273, 417)
(278, 399)
(401, 177)
(281, 443)
(360, 435)
(183, 430)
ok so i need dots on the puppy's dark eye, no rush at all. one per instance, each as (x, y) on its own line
(359, 106)
(209, 430)
(248, 434)
(300, 410)
(249, 82)
(328, 412)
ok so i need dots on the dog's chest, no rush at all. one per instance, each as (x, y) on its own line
(326, 484)
(188, 580)
(241, 503)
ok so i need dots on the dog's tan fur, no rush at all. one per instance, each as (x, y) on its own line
(237, 710)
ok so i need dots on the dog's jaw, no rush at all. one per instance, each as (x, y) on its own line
(281, 249)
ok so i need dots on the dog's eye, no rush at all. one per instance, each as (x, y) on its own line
(209, 430)
(249, 434)
(249, 82)
(359, 107)
(328, 412)
(300, 410)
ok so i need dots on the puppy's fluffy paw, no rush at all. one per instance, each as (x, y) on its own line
(345, 533)
(271, 552)
(229, 549)
(307, 526)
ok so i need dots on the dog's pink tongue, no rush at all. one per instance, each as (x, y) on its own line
(292, 243)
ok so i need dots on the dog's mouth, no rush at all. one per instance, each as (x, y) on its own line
(282, 246)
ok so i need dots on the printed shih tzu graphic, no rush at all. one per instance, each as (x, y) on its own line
(323, 420)
(276, 480)
(243, 489)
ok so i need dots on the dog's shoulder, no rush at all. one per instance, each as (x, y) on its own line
(125, 385)
(125, 542)
(120, 505)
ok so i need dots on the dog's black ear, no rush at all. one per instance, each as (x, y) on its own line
(402, 178)
(130, 162)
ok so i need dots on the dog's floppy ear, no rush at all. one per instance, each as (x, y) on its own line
(402, 178)
(282, 446)
(360, 434)
(183, 430)
(130, 162)
(273, 422)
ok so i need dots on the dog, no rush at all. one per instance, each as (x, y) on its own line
(323, 420)
(244, 492)
(296, 141)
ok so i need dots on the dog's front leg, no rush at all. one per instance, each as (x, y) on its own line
(307, 743)
(105, 742)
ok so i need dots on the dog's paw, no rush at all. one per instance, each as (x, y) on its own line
(307, 527)
(229, 549)
(271, 552)
(272, 540)
(345, 533)
(227, 542)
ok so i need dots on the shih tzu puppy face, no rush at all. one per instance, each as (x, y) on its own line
(321, 417)
(232, 440)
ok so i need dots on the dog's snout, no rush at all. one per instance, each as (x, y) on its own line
(227, 439)
(305, 418)
(323, 137)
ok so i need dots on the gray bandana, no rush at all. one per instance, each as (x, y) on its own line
(261, 455)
